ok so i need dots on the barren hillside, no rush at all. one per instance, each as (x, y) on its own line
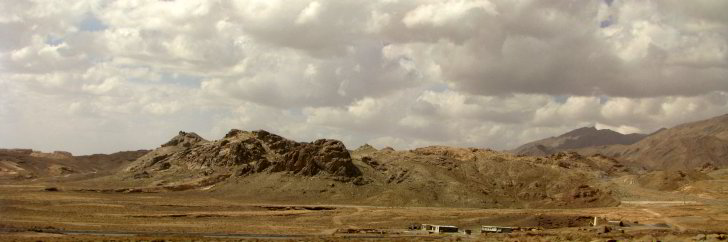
(578, 138)
(21, 164)
(265, 167)
(686, 146)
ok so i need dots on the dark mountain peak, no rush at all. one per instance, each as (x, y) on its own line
(588, 131)
(580, 132)
(576, 139)
(684, 146)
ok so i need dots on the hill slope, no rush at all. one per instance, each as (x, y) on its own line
(578, 138)
(18, 164)
(259, 166)
(686, 146)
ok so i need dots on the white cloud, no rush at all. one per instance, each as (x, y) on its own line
(624, 129)
(103, 87)
(309, 14)
(162, 108)
(402, 73)
(446, 13)
(574, 109)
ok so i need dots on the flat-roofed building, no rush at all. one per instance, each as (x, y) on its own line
(439, 229)
(495, 229)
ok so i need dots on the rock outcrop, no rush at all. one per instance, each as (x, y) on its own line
(244, 153)
(366, 148)
(184, 139)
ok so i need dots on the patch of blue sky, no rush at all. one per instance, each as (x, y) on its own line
(560, 98)
(438, 87)
(607, 22)
(91, 23)
(610, 19)
(98, 59)
(181, 79)
(603, 99)
(297, 112)
(53, 40)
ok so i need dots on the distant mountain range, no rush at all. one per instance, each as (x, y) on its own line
(575, 139)
(696, 145)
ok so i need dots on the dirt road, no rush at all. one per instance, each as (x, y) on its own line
(666, 219)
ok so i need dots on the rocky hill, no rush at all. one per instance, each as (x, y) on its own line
(262, 167)
(447, 176)
(575, 139)
(188, 159)
(670, 180)
(683, 147)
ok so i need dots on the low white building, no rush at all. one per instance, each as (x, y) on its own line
(495, 229)
(439, 229)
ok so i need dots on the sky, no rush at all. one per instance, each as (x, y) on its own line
(104, 76)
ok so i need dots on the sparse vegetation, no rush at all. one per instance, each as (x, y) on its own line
(257, 185)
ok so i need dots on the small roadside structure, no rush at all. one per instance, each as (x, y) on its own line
(495, 229)
(439, 229)
(415, 226)
(601, 221)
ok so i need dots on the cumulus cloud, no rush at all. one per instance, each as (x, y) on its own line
(566, 48)
(101, 76)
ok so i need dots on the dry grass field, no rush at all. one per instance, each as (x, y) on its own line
(28, 213)
(260, 186)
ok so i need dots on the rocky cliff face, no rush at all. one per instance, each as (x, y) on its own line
(242, 153)
(184, 139)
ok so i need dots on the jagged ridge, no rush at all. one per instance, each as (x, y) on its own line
(244, 153)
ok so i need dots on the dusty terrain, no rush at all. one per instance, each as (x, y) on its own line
(33, 213)
(56, 209)
(258, 185)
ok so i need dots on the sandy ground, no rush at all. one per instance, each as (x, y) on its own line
(28, 213)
